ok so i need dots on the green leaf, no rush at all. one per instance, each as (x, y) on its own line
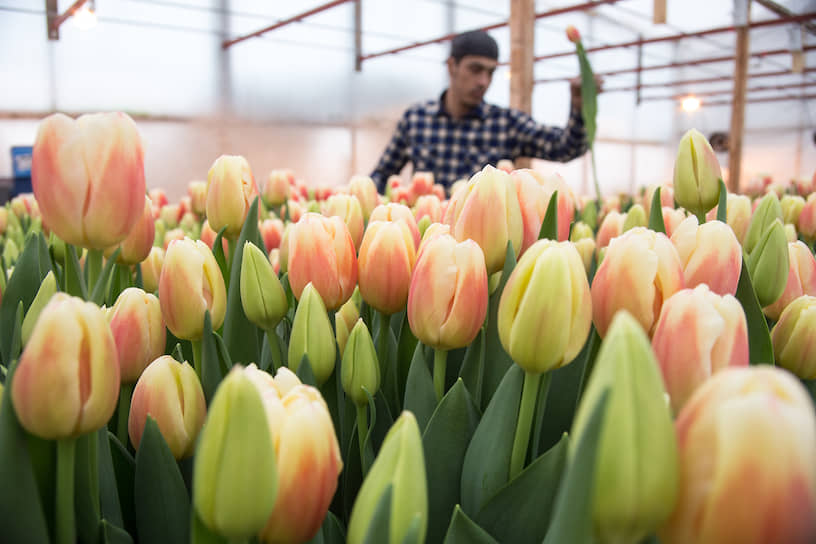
(549, 227)
(487, 461)
(406, 344)
(539, 414)
(72, 275)
(573, 505)
(497, 361)
(722, 204)
(463, 530)
(656, 213)
(111, 534)
(760, 348)
(108, 492)
(178, 353)
(380, 426)
(100, 290)
(331, 532)
(15, 347)
(445, 442)
(162, 502)
(419, 389)
(520, 511)
(211, 365)
(389, 385)
(304, 372)
(240, 334)
(589, 95)
(124, 466)
(380, 523)
(220, 258)
(472, 372)
(86, 488)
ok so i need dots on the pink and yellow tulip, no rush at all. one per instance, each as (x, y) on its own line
(230, 191)
(710, 254)
(138, 330)
(801, 278)
(385, 263)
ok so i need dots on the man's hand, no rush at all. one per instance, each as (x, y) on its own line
(575, 89)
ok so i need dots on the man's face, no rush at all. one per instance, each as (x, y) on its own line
(470, 77)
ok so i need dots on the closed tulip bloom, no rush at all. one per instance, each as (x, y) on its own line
(447, 300)
(67, 379)
(347, 208)
(696, 174)
(171, 215)
(806, 223)
(344, 320)
(792, 206)
(312, 336)
(532, 204)
(190, 284)
(767, 211)
(586, 249)
(793, 335)
(428, 206)
(151, 269)
(364, 188)
(573, 35)
(790, 233)
(801, 278)
(158, 197)
(171, 236)
(88, 177)
(698, 334)
(360, 370)
(747, 440)
(197, 190)
(640, 270)
(487, 211)
(385, 263)
(611, 227)
(545, 310)
(170, 393)
(432, 231)
(138, 330)
(278, 186)
(262, 296)
(136, 247)
(710, 253)
(768, 264)
(230, 191)
(321, 252)
(395, 212)
(272, 233)
(635, 217)
(672, 218)
(738, 214)
(47, 290)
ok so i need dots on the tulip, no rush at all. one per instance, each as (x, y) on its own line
(635, 217)
(672, 217)
(274, 260)
(790, 233)
(433, 230)
(636, 468)
(48, 288)
(572, 34)
(421, 183)
(385, 264)
(138, 330)
(347, 208)
(197, 190)
(170, 393)
(360, 367)
(208, 237)
(277, 188)
(487, 211)
(400, 464)
(172, 236)
(235, 476)
(396, 212)
(696, 174)
(151, 269)
(3, 220)
(586, 249)
(271, 232)
(768, 264)
(532, 203)
(365, 190)
(611, 227)
(170, 214)
(793, 335)
(10, 252)
(738, 214)
(428, 206)
(766, 212)
(191, 284)
(801, 278)
(565, 203)
(792, 206)
(747, 440)
(710, 254)
(230, 190)
(312, 336)
(136, 247)
(71, 351)
(505, 165)
(447, 299)
(344, 320)
(545, 309)
(262, 295)
(284, 248)
(806, 223)
(158, 197)
(641, 269)
(698, 334)
(666, 197)
(88, 177)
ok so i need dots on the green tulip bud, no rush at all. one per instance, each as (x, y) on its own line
(47, 290)
(235, 478)
(768, 264)
(161, 230)
(423, 224)
(766, 212)
(312, 335)
(360, 368)
(313, 206)
(696, 174)
(581, 230)
(792, 206)
(401, 465)
(262, 294)
(589, 214)
(636, 475)
(57, 247)
(793, 338)
(635, 217)
(10, 252)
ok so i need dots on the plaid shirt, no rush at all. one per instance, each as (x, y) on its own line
(453, 149)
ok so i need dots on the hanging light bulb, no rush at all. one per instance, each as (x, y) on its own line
(691, 103)
(85, 17)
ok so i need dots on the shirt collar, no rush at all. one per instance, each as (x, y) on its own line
(478, 112)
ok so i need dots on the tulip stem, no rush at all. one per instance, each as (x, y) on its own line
(94, 266)
(65, 524)
(440, 366)
(362, 432)
(274, 348)
(527, 407)
(196, 356)
(701, 217)
(125, 392)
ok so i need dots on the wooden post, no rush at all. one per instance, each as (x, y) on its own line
(522, 39)
(738, 101)
(659, 12)
(358, 36)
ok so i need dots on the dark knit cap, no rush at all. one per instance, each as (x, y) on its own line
(475, 42)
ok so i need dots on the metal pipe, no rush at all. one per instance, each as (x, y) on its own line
(728, 91)
(699, 81)
(757, 100)
(59, 19)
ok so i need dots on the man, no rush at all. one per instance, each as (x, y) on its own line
(457, 135)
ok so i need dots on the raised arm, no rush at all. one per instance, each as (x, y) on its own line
(394, 157)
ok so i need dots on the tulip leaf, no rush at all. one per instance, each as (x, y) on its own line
(472, 372)
(445, 442)
(722, 204)
(463, 530)
(380, 426)
(16, 335)
(549, 227)
(161, 499)
(86, 487)
(103, 283)
(540, 411)
(108, 493)
(46, 263)
(406, 345)
(760, 348)
(223, 355)
(331, 532)
(368, 445)
(413, 533)
(656, 213)
(304, 371)
(389, 386)
(573, 504)
(212, 367)
(352, 477)
(240, 334)
(74, 281)
(20, 506)
(497, 361)
(220, 258)
(420, 398)
(178, 353)
(487, 462)
(124, 467)
(111, 534)
(379, 525)
(520, 511)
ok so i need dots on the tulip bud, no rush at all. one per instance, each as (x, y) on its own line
(581, 230)
(274, 260)
(790, 233)
(271, 232)
(806, 224)
(611, 227)
(768, 264)
(360, 369)
(198, 197)
(793, 335)
(235, 477)
(48, 289)
(10, 252)
(173, 235)
(365, 190)
(696, 174)
(672, 218)
(747, 440)
(792, 206)
(312, 335)
(572, 34)
(277, 187)
(394, 212)
(230, 191)
(347, 208)
(190, 284)
(170, 214)
(170, 393)
(262, 295)
(138, 330)
(635, 217)
(710, 254)
(344, 320)
(764, 215)
(151, 269)
(385, 264)
(586, 249)
(428, 206)
(400, 464)
(801, 278)
(636, 474)
(136, 247)
(545, 309)
(71, 351)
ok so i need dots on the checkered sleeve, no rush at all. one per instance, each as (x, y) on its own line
(395, 155)
(552, 143)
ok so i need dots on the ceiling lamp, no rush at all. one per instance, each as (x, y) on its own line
(85, 16)
(690, 103)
